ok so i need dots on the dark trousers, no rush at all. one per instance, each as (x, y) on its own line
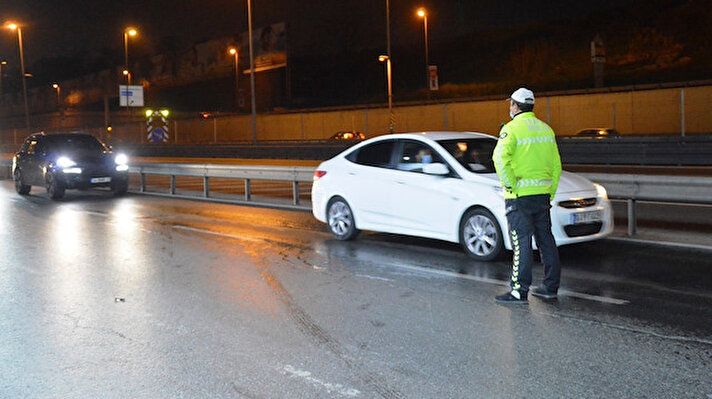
(529, 216)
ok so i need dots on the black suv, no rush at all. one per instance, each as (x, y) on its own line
(68, 161)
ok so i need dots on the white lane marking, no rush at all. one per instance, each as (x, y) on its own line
(332, 388)
(195, 230)
(373, 277)
(573, 294)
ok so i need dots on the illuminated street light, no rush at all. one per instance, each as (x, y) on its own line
(387, 60)
(126, 73)
(59, 101)
(128, 32)
(233, 51)
(14, 26)
(424, 15)
(2, 63)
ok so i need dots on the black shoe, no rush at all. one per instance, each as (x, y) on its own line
(510, 298)
(543, 293)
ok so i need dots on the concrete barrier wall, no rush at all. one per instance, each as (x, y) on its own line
(633, 112)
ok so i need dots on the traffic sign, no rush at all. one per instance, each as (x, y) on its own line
(131, 96)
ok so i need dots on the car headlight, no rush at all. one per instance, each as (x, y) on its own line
(122, 168)
(601, 191)
(64, 162)
(121, 159)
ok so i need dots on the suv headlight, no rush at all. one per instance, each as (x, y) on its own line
(601, 191)
(121, 161)
(64, 162)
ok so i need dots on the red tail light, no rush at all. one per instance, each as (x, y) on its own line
(318, 174)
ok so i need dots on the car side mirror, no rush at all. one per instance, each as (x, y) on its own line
(439, 169)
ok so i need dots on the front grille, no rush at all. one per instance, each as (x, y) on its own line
(583, 229)
(578, 203)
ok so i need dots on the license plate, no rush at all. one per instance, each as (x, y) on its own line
(100, 179)
(586, 217)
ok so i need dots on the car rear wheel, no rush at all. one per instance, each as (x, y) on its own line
(480, 235)
(20, 187)
(55, 188)
(340, 219)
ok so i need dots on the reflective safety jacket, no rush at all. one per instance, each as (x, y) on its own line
(526, 157)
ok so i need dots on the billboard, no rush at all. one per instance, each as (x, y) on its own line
(269, 46)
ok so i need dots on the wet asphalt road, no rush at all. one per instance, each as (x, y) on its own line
(148, 297)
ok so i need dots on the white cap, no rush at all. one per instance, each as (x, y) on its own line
(522, 96)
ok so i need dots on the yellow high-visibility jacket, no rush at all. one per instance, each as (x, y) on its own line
(526, 157)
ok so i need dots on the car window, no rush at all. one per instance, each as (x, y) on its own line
(474, 154)
(376, 154)
(74, 144)
(414, 155)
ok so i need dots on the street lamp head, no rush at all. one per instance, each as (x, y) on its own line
(55, 86)
(3, 63)
(382, 58)
(421, 12)
(232, 51)
(11, 25)
(131, 31)
(125, 71)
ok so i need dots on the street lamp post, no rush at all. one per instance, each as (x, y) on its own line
(1, 65)
(128, 79)
(391, 121)
(14, 26)
(252, 71)
(424, 15)
(233, 51)
(59, 98)
(128, 32)
(388, 29)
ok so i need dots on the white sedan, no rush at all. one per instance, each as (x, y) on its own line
(442, 185)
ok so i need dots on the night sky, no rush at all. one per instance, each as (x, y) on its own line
(60, 28)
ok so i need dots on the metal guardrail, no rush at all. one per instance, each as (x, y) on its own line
(294, 175)
(673, 189)
(628, 187)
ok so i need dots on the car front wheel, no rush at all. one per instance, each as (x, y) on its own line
(55, 188)
(20, 187)
(340, 219)
(480, 235)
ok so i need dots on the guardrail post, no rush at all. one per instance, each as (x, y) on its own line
(631, 217)
(248, 194)
(295, 192)
(173, 184)
(206, 186)
(143, 182)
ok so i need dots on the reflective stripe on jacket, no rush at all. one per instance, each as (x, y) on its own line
(526, 157)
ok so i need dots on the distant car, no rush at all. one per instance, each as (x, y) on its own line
(347, 136)
(442, 185)
(598, 132)
(68, 161)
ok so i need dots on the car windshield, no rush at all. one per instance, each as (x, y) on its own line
(474, 154)
(74, 144)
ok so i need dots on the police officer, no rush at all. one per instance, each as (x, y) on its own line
(528, 164)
